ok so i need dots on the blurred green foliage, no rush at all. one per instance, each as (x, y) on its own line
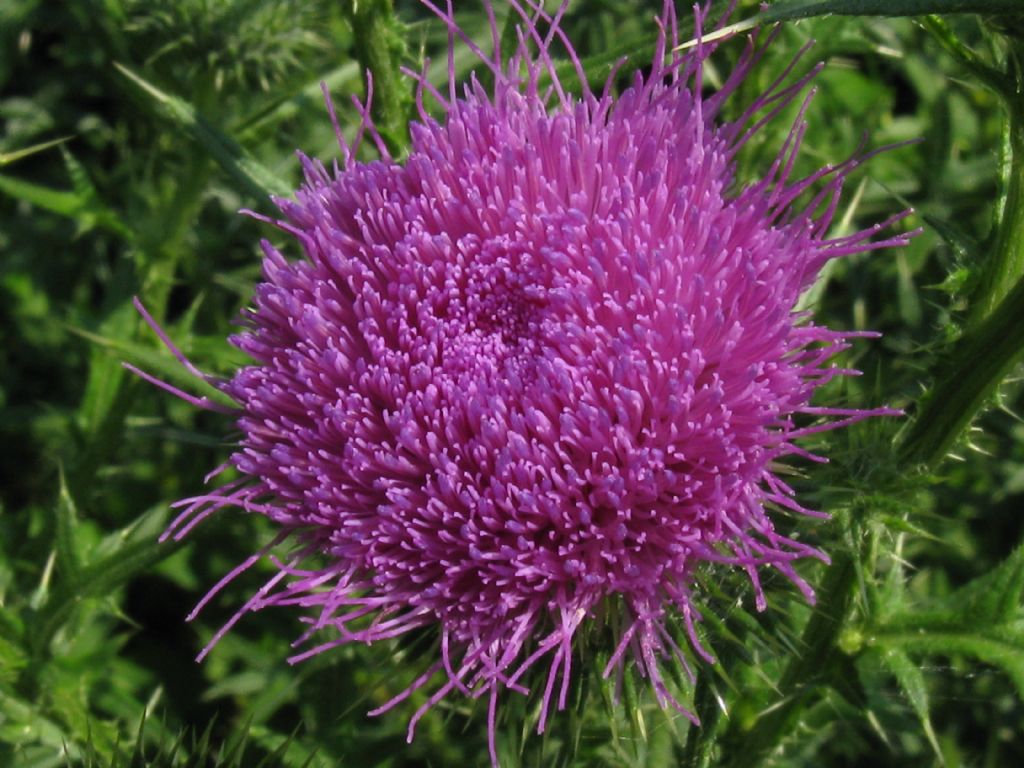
(132, 131)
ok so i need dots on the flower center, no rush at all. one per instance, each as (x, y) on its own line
(490, 326)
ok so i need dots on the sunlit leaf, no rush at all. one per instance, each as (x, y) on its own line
(252, 177)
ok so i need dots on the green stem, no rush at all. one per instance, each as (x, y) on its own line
(379, 46)
(967, 376)
(978, 362)
(982, 72)
(1005, 266)
(798, 680)
(789, 10)
(700, 741)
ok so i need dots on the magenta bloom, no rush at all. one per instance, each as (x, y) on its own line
(547, 361)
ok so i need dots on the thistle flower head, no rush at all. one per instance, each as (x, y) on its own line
(550, 359)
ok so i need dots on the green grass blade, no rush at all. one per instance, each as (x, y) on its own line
(79, 205)
(65, 520)
(6, 158)
(57, 201)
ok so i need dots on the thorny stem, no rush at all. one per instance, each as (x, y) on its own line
(1005, 266)
(979, 361)
(379, 47)
(967, 376)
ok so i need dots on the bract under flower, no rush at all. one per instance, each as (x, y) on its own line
(547, 360)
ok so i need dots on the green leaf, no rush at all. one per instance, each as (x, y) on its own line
(281, 750)
(119, 557)
(911, 681)
(995, 80)
(24, 725)
(55, 200)
(995, 597)
(631, 702)
(982, 619)
(990, 601)
(87, 211)
(154, 362)
(103, 388)
(899, 524)
(12, 659)
(1001, 647)
(964, 246)
(250, 176)
(65, 520)
(288, 106)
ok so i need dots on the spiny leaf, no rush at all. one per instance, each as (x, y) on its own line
(700, 742)
(287, 106)
(100, 579)
(80, 181)
(989, 609)
(969, 59)
(911, 681)
(631, 701)
(991, 600)
(899, 524)
(721, 635)
(120, 556)
(995, 597)
(82, 204)
(234, 750)
(282, 750)
(55, 200)
(252, 177)
(1002, 647)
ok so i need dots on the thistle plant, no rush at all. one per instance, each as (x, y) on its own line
(543, 410)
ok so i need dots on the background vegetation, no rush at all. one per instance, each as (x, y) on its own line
(132, 131)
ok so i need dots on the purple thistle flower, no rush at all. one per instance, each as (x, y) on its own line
(549, 359)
